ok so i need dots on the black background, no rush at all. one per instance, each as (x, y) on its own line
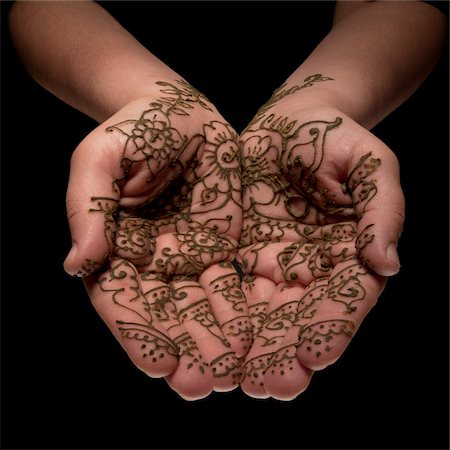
(66, 383)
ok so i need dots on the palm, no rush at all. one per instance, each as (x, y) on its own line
(306, 242)
(172, 222)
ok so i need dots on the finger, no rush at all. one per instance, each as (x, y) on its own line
(327, 326)
(192, 379)
(117, 297)
(194, 313)
(281, 313)
(222, 286)
(258, 291)
(286, 377)
(374, 183)
(91, 202)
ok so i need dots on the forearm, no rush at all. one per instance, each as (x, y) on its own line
(377, 53)
(77, 51)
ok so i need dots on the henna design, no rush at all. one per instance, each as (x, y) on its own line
(257, 316)
(358, 183)
(107, 207)
(363, 240)
(290, 209)
(199, 247)
(152, 138)
(239, 327)
(281, 92)
(121, 280)
(318, 337)
(188, 348)
(225, 365)
(255, 369)
(285, 173)
(281, 319)
(283, 360)
(229, 286)
(345, 287)
(135, 241)
(296, 254)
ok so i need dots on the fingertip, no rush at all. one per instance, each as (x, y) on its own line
(393, 260)
(69, 262)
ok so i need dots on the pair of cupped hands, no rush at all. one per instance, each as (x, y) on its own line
(221, 260)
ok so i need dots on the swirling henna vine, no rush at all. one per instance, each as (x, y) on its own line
(257, 315)
(135, 241)
(345, 287)
(279, 320)
(198, 248)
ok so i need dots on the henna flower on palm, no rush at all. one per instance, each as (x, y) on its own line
(202, 245)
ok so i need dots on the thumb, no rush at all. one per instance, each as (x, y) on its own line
(377, 195)
(91, 201)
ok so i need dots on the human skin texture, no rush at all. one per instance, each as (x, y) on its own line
(310, 192)
(164, 194)
(172, 218)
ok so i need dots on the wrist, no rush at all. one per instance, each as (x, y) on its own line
(333, 95)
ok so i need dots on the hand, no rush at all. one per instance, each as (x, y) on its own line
(154, 206)
(322, 215)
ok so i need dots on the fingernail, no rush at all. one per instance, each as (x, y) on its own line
(69, 258)
(392, 256)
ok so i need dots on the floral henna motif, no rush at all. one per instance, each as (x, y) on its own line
(152, 138)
